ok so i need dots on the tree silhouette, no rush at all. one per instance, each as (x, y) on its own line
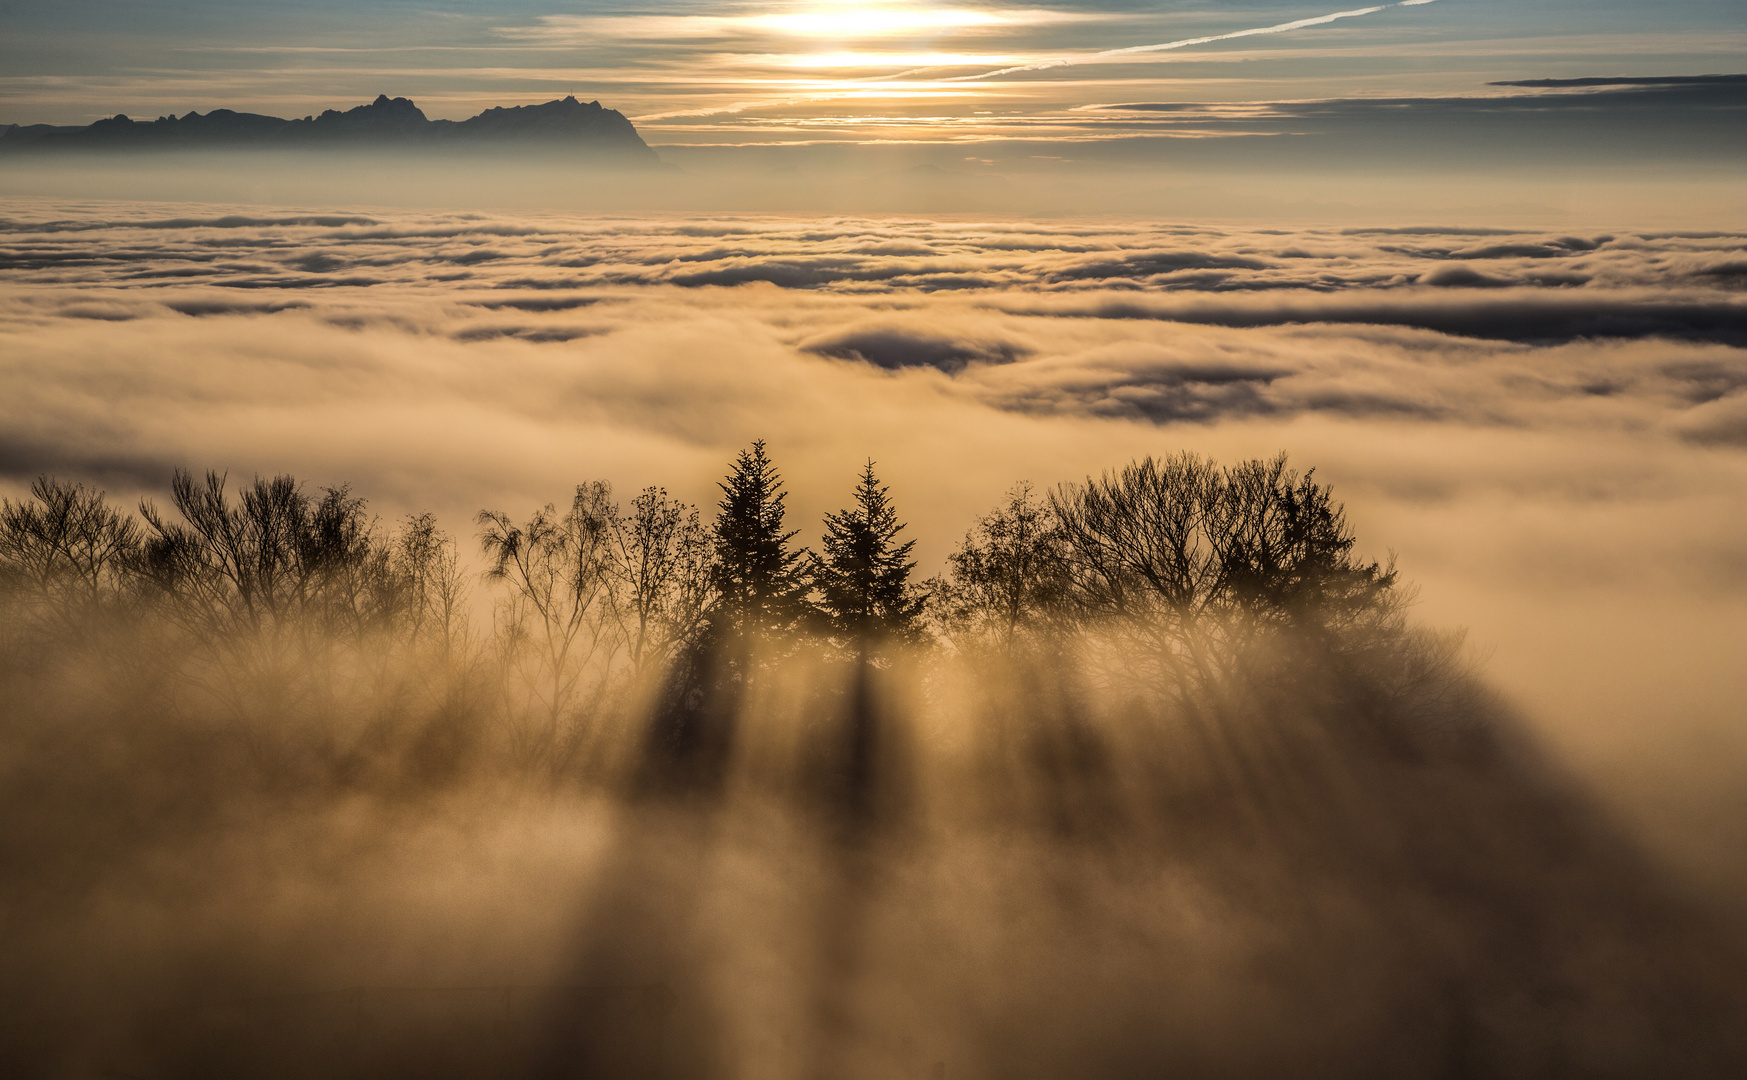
(1198, 562)
(426, 558)
(659, 555)
(557, 622)
(1286, 550)
(65, 556)
(864, 575)
(762, 585)
(1008, 581)
(274, 560)
(67, 542)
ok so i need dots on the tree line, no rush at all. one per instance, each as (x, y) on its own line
(264, 592)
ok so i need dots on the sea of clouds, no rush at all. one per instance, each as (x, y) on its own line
(1548, 429)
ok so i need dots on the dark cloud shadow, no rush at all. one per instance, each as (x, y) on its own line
(896, 347)
(1534, 318)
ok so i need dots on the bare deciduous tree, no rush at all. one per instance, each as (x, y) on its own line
(261, 588)
(426, 558)
(1194, 562)
(1008, 581)
(66, 559)
(557, 625)
(659, 556)
(274, 561)
(66, 546)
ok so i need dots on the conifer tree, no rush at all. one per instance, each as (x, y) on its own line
(762, 585)
(864, 576)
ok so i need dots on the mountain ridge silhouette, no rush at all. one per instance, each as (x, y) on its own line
(564, 123)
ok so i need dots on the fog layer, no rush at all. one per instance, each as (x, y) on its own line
(1546, 427)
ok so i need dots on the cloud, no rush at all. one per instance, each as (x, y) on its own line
(1546, 122)
(1518, 314)
(226, 306)
(1646, 80)
(1567, 98)
(1148, 265)
(537, 334)
(1561, 467)
(128, 467)
(1185, 43)
(699, 333)
(1461, 276)
(857, 255)
(1157, 383)
(896, 346)
(1158, 324)
(227, 221)
(542, 303)
(843, 25)
(1721, 422)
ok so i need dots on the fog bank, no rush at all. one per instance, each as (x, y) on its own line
(1545, 425)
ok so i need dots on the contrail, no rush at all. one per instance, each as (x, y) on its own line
(1278, 28)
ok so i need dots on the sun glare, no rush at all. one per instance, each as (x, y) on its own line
(849, 20)
(889, 60)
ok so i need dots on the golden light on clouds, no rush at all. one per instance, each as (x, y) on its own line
(830, 21)
(745, 59)
(859, 20)
(818, 38)
(884, 59)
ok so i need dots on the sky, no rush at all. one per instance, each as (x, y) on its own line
(806, 72)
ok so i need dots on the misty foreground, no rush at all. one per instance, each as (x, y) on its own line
(1158, 780)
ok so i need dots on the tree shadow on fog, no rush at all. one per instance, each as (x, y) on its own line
(863, 794)
(1382, 886)
(636, 939)
(1067, 782)
(1394, 897)
(1317, 846)
(1397, 888)
(841, 799)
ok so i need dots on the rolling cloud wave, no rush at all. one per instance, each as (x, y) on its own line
(1157, 323)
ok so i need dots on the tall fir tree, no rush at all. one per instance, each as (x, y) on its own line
(864, 574)
(762, 585)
